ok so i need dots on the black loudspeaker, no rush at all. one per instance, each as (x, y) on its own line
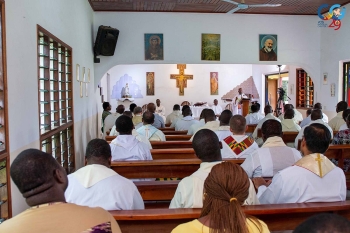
(105, 43)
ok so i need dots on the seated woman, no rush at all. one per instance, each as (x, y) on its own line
(225, 190)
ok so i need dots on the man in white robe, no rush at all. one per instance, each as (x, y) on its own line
(273, 156)
(237, 144)
(110, 119)
(186, 122)
(216, 108)
(316, 117)
(236, 102)
(254, 117)
(96, 185)
(126, 147)
(268, 116)
(180, 117)
(298, 117)
(289, 125)
(196, 126)
(160, 109)
(148, 130)
(314, 178)
(174, 115)
(210, 122)
(158, 120)
(338, 120)
(224, 128)
(324, 116)
(189, 193)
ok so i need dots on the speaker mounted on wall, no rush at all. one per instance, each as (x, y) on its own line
(105, 43)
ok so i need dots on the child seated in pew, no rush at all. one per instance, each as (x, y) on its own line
(225, 190)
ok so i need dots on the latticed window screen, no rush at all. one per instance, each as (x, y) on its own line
(56, 98)
(305, 90)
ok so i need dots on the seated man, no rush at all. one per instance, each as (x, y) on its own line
(137, 119)
(307, 119)
(149, 131)
(216, 108)
(85, 185)
(289, 125)
(338, 120)
(126, 146)
(224, 128)
(298, 117)
(254, 117)
(324, 223)
(158, 120)
(160, 109)
(110, 119)
(132, 107)
(189, 193)
(196, 126)
(42, 182)
(312, 179)
(180, 117)
(106, 111)
(175, 114)
(324, 116)
(343, 137)
(186, 122)
(210, 122)
(238, 144)
(316, 117)
(345, 115)
(273, 156)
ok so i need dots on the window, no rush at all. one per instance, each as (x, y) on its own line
(305, 90)
(346, 82)
(56, 98)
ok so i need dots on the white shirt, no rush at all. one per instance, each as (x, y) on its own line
(281, 117)
(217, 109)
(325, 118)
(127, 147)
(170, 118)
(185, 123)
(139, 137)
(160, 110)
(189, 193)
(212, 125)
(269, 116)
(223, 132)
(272, 157)
(337, 121)
(254, 118)
(301, 132)
(98, 186)
(227, 152)
(110, 122)
(156, 136)
(195, 127)
(235, 109)
(343, 127)
(298, 117)
(289, 125)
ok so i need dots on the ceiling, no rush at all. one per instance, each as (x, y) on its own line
(289, 7)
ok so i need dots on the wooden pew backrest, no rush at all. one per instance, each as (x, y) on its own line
(178, 137)
(251, 128)
(171, 144)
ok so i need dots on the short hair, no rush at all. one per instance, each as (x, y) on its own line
(184, 107)
(289, 113)
(287, 106)
(151, 107)
(317, 138)
(148, 117)
(105, 105)
(32, 168)
(203, 113)
(271, 128)
(210, 115)
(308, 112)
(124, 124)
(268, 109)
(238, 124)
(342, 106)
(187, 112)
(176, 107)
(206, 145)
(225, 117)
(99, 149)
(137, 110)
(345, 114)
(254, 108)
(132, 107)
(120, 109)
(324, 223)
(316, 114)
(318, 106)
(258, 106)
(128, 114)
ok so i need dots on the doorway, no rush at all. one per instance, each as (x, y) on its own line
(272, 83)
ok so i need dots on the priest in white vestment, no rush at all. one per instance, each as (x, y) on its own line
(298, 117)
(336, 122)
(210, 122)
(185, 123)
(126, 147)
(110, 119)
(180, 117)
(314, 178)
(216, 108)
(189, 193)
(96, 185)
(273, 156)
(148, 130)
(160, 109)
(237, 144)
(224, 128)
(198, 125)
(289, 125)
(316, 117)
(268, 116)
(237, 101)
(174, 115)
(254, 117)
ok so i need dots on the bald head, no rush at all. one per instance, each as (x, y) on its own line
(207, 146)
(209, 116)
(316, 114)
(151, 107)
(267, 109)
(148, 118)
(238, 125)
(271, 128)
(225, 117)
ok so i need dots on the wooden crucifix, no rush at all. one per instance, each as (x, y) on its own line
(181, 78)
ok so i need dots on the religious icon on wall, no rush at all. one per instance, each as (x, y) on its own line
(267, 47)
(154, 47)
(211, 47)
(214, 83)
(149, 83)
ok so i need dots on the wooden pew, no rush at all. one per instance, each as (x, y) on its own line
(171, 144)
(278, 217)
(182, 153)
(167, 129)
(178, 168)
(157, 190)
(178, 137)
(251, 128)
(175, 132)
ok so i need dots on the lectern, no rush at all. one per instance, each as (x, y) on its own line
(245, 107)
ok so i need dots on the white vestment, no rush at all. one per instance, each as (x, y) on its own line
(172, 116)
(299, 183)
(324, 117)
(337, 121)
(189, 192)
(217, 109)
(281, 117)
(110, 122)
(235, 103)
(253, 118)
(212, 125)
(223, 132)
(269, 116)
(227, 152)
(289, 125)
(185, 123)
(272, 157)
(301, 132)
(139, 137)
(98, 186)
(343, 127)
(176, 120)
(152, 133)
(127, 147)
(298, 117)
(195, 127)
(161, 111)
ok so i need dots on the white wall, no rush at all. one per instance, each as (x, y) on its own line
(70, 21)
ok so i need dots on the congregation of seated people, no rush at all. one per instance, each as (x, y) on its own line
(272, 171)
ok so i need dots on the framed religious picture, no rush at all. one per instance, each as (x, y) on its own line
(154, 47)
(211, 47)
(267, 47)
(214, 83)
(149, 83)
